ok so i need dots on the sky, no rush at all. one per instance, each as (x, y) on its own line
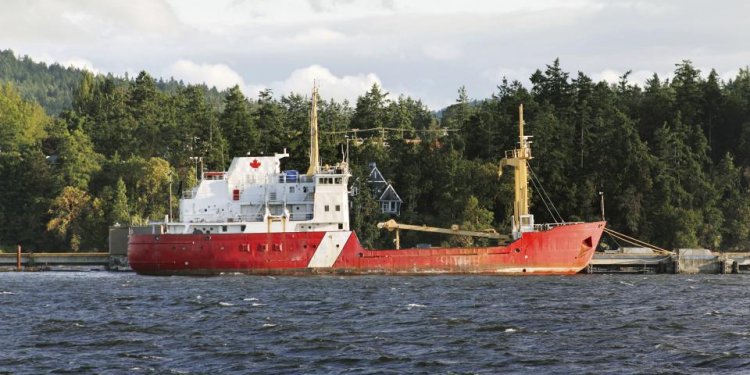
(425, 49)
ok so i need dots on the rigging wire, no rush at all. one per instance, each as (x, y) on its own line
(637, 242)
(534, 182)
(544, 194)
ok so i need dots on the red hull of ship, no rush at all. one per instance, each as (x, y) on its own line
(561, 250)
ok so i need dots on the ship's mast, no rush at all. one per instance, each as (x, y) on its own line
(522, 220)
(314, 153)
(522, 175)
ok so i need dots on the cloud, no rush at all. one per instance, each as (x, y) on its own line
(80, 63)
(608, 75)
(495, 76)
(85, 20)
(67, 62)
(318, 35)
(219, 75)
(442, 51)
(427, 48)
(347, 87)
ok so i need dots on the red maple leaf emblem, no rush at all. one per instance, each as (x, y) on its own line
(255, 164)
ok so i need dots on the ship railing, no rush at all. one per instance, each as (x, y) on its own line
(513, 154)
(548, 226)
(214, 175)
(285, 178)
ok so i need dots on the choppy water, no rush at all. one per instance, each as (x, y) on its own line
(100, 322)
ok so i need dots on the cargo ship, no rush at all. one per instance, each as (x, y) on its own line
(256, 218)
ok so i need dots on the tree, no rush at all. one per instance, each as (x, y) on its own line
(474, 218)
(269, 117)
(553, 87)
(370, 110)
(27, 189)
(78, 161)
(151, 188)
(296, 127)
(68, 211)
(237, 124)
(22, 122)
(119, 210)
(734, 204)
(152, 112)
(687, 85)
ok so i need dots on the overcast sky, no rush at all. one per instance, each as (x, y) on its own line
(422, 48)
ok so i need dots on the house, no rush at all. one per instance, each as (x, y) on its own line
(390, 202)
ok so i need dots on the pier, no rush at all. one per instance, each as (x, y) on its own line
(34, 260)
(115, 259)
(687, 261)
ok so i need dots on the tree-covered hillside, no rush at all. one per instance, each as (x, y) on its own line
(672, 158)
(52, 86)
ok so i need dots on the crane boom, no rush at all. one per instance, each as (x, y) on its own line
(392, 225)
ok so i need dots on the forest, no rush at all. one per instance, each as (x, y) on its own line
(80, 152)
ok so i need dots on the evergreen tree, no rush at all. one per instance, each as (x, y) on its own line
(237, 125)
(370, 111)
(119, 211)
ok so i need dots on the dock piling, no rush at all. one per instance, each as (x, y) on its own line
(18, 257)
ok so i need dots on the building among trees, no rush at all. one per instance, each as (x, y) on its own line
(390, 202)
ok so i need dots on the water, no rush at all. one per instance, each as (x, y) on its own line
(96, 322)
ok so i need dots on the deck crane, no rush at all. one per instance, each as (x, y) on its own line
(392, 225)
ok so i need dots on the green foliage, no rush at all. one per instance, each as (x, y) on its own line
(78, 162)
(475, 218)
(672, 158)
(68, 213)
(119, 211)
(237, 125)
(22, 122)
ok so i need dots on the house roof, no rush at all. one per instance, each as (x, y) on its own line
(390, 194)
(375, 175)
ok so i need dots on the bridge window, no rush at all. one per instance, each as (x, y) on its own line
(327, 208)
(338, 207)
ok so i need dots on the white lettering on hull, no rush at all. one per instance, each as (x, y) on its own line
(329, 249)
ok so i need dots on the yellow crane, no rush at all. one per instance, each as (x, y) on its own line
(522, 220)
(392, 225)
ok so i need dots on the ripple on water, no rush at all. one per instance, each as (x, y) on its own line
(116, 323)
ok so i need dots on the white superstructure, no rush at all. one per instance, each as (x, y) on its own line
(255, 196)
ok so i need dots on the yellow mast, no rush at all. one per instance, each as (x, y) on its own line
(517, 158)
(314, 163)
